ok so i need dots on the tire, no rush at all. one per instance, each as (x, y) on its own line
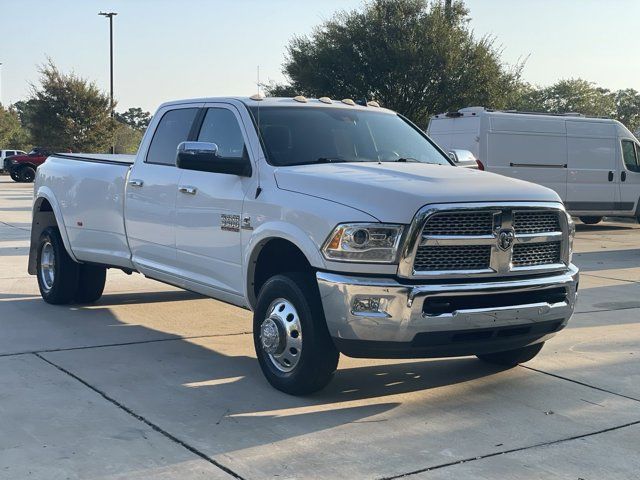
(14, 176)
(91, 280)
(57, 273)
(27, 174)
(289, 313)
(590, 220)
(511, 358)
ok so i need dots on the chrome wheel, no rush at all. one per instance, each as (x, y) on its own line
(47, 265)
(281, 335)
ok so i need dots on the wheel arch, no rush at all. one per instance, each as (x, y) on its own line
(46, 213)
(263, 260)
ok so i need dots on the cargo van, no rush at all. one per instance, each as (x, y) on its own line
(592, 163)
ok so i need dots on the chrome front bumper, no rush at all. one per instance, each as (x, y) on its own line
(404, 318)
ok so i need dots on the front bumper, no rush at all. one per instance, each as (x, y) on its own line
(445, 319)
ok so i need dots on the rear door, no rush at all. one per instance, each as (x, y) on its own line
(629, 176)
(209, 207)
(150, 208)
(592, 185)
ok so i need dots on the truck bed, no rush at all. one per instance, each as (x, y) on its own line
(90, 189)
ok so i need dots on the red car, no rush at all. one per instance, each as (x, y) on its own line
(22, 168)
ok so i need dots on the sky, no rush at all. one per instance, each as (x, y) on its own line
(170, 49)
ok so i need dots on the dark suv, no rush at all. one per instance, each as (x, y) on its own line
(22, 168)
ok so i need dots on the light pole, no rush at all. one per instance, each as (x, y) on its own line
(110, 16)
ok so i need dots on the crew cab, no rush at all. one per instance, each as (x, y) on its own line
(22, 168)
(343, 227)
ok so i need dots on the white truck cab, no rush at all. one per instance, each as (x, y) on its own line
(342, 226)
(592, 163)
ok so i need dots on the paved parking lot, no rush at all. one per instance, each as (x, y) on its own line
(154, 382)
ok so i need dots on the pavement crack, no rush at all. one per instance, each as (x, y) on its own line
(15, 226)
(142, 419)
(581, 383)
(122, 344)
(512, 450)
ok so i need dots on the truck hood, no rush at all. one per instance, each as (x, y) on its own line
(393, 192)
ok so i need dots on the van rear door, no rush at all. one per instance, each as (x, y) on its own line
(591, 185)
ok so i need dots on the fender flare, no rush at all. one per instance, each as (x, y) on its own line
(271, 231)
(45, 193)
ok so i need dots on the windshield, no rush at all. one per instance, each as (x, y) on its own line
(304, 135)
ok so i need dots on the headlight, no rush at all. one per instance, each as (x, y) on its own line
(572, 234)
(363, 242)
(13, 161)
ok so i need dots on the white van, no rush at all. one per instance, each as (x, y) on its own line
(593, 163)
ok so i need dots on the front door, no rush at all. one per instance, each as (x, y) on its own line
(629, 176)
(209, 208)
(150, 207)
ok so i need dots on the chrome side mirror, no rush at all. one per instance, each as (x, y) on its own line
(198, 148)
(205, 157)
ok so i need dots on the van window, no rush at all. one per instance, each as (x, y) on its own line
(630, 155)
(173, 129)
(221, 127)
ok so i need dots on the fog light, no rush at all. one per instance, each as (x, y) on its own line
(376, 306)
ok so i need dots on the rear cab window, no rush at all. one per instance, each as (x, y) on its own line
(173, 129)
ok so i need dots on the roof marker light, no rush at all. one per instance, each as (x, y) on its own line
(349, 101)
(301, 99)
(258, 97)
(373, 103)
(325, 100)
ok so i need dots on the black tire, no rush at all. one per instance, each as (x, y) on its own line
(590, 220)
(318, 356)
(91, 280)
(511, 358)
(27, 174)
(61, 287)
(15, 176)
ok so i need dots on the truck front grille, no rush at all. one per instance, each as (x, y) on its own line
(533, 254)
(492, 240)
(535, 222)
(460, 223)
(451, 258)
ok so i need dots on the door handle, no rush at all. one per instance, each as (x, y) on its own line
(623, 176)
(136, 183)
(610, 176)
(188, 190)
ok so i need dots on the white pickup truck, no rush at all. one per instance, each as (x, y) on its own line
(341, 226)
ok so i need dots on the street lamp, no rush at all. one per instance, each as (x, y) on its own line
(110, 16)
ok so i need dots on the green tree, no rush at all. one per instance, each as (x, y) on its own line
(568, 96)
(126, 138)
(69, 112)
(414, 56)
(628, 108)
(12, 134)
(135, 117)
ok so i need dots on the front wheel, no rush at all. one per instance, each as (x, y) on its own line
(57, 273)
(590, 220)
(511, 358)
(14, 176)
(293, 346)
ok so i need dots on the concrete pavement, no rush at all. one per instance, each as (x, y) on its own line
(153, 382)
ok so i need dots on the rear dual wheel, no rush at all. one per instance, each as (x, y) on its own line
(60, 279)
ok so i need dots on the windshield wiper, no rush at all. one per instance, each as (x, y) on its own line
(405, 159)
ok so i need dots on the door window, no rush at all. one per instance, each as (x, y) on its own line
(630, 155)
(173, 129)
(221, 127)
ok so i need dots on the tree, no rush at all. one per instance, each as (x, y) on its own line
(12, 134)
(69, 112)
(126, 138)
(568, 96)
(135, 118)
(413, 56)
(628, 108)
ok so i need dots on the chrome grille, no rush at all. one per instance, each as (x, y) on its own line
(527, 222)
(490, 240)
(460, 223)
(451, 258)
(534, 254)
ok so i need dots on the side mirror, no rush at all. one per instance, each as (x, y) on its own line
(204, 157)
